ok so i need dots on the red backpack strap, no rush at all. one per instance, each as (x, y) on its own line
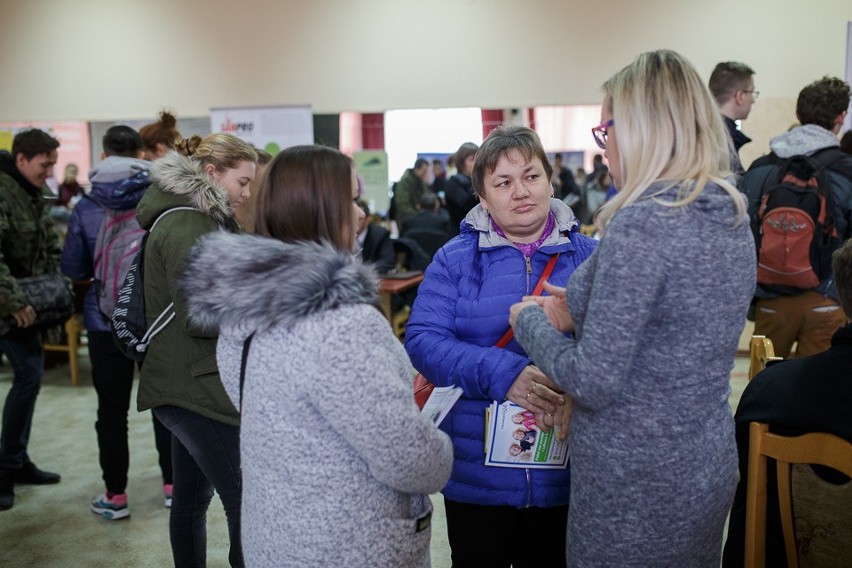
(539, 288)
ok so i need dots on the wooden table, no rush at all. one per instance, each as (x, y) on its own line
(390, 286)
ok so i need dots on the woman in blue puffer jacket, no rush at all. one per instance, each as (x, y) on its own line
(118, 183)
(461, 310)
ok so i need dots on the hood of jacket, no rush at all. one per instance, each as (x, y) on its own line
(119, 182)
(181, 181)
(478, 220)
(249, 283)
(803, 141)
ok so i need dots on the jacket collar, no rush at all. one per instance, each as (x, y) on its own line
(478, 220)
(252, 283)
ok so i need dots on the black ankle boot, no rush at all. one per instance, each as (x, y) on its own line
(7, 488)
(29, 474)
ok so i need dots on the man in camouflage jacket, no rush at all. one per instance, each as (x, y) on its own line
(29, 246)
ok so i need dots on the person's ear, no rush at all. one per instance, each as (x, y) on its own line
(210, 170)
(838, 122)
(20, 160)
(103, 156)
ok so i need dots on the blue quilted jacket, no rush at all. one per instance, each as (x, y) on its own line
(118, 183)
(461, 310)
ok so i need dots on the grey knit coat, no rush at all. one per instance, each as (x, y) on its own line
(658, 309)
(337, 461)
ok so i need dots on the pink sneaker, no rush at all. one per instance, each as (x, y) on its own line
(167, 494)
(113, 508)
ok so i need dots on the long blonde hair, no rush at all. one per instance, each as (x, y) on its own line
(669, 129)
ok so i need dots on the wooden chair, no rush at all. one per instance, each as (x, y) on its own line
(762, 353)
(815, 448)
(588, 230)
(73, 332)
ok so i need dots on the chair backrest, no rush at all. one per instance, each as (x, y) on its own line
(410, 255)
(815, 448)
(589, 230)
(429, 239)
(762, 353)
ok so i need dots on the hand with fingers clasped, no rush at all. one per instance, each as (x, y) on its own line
(555, 308)
(538, 394)
(25, 317)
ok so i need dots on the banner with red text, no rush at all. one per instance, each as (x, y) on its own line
(268, 128)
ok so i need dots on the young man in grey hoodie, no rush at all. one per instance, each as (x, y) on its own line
(807, 316)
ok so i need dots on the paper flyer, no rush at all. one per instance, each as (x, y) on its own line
(512, 439)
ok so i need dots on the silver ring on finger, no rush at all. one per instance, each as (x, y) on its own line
(528, 395)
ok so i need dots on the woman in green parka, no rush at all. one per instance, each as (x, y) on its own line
(179, 379)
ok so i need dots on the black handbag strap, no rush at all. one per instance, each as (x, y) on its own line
(246, 346)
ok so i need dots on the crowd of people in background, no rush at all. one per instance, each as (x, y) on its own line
(271, 264)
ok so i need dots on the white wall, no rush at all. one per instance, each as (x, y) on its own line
(126, 59)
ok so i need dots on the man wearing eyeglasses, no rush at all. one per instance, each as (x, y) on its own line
(732, 84)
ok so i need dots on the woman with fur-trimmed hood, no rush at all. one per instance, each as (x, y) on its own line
(179, 379)
(337, 462)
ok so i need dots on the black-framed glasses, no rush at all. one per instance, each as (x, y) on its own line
(599, 132)
(754, 94)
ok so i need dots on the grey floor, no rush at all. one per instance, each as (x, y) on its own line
(51, 526)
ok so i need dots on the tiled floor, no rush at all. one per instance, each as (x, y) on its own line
(51, 526)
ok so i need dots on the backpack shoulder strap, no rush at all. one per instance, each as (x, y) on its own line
(826, 157)
(167, 211)
(770, 159)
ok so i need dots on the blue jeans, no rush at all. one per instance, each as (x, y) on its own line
(26, 356)
(205, 455)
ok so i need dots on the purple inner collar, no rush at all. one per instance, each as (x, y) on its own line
(529, 248)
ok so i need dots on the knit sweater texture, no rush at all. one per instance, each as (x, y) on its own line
(658, 309)
(337, 462)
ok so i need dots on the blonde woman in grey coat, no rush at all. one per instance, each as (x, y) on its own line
(337, 462)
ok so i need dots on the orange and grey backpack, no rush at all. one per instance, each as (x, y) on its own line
(794, 228)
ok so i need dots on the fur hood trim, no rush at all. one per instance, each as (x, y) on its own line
(179, 175)
(254, 282)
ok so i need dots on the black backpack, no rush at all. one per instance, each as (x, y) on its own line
(794, 228)
(129, 328)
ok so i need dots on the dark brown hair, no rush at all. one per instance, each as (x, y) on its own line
(846, 142)
(33, 142)
(164, 131)
(499, 142)
(462, 154)
(841, 264)
(307, 196)
(822, 102)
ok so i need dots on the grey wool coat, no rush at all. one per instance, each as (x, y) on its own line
(337, 461)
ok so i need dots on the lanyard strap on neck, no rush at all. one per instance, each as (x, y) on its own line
(539, 288)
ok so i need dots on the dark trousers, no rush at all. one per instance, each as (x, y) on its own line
(26, 357)
(205, 455)
(493, 536)
(112, 377)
